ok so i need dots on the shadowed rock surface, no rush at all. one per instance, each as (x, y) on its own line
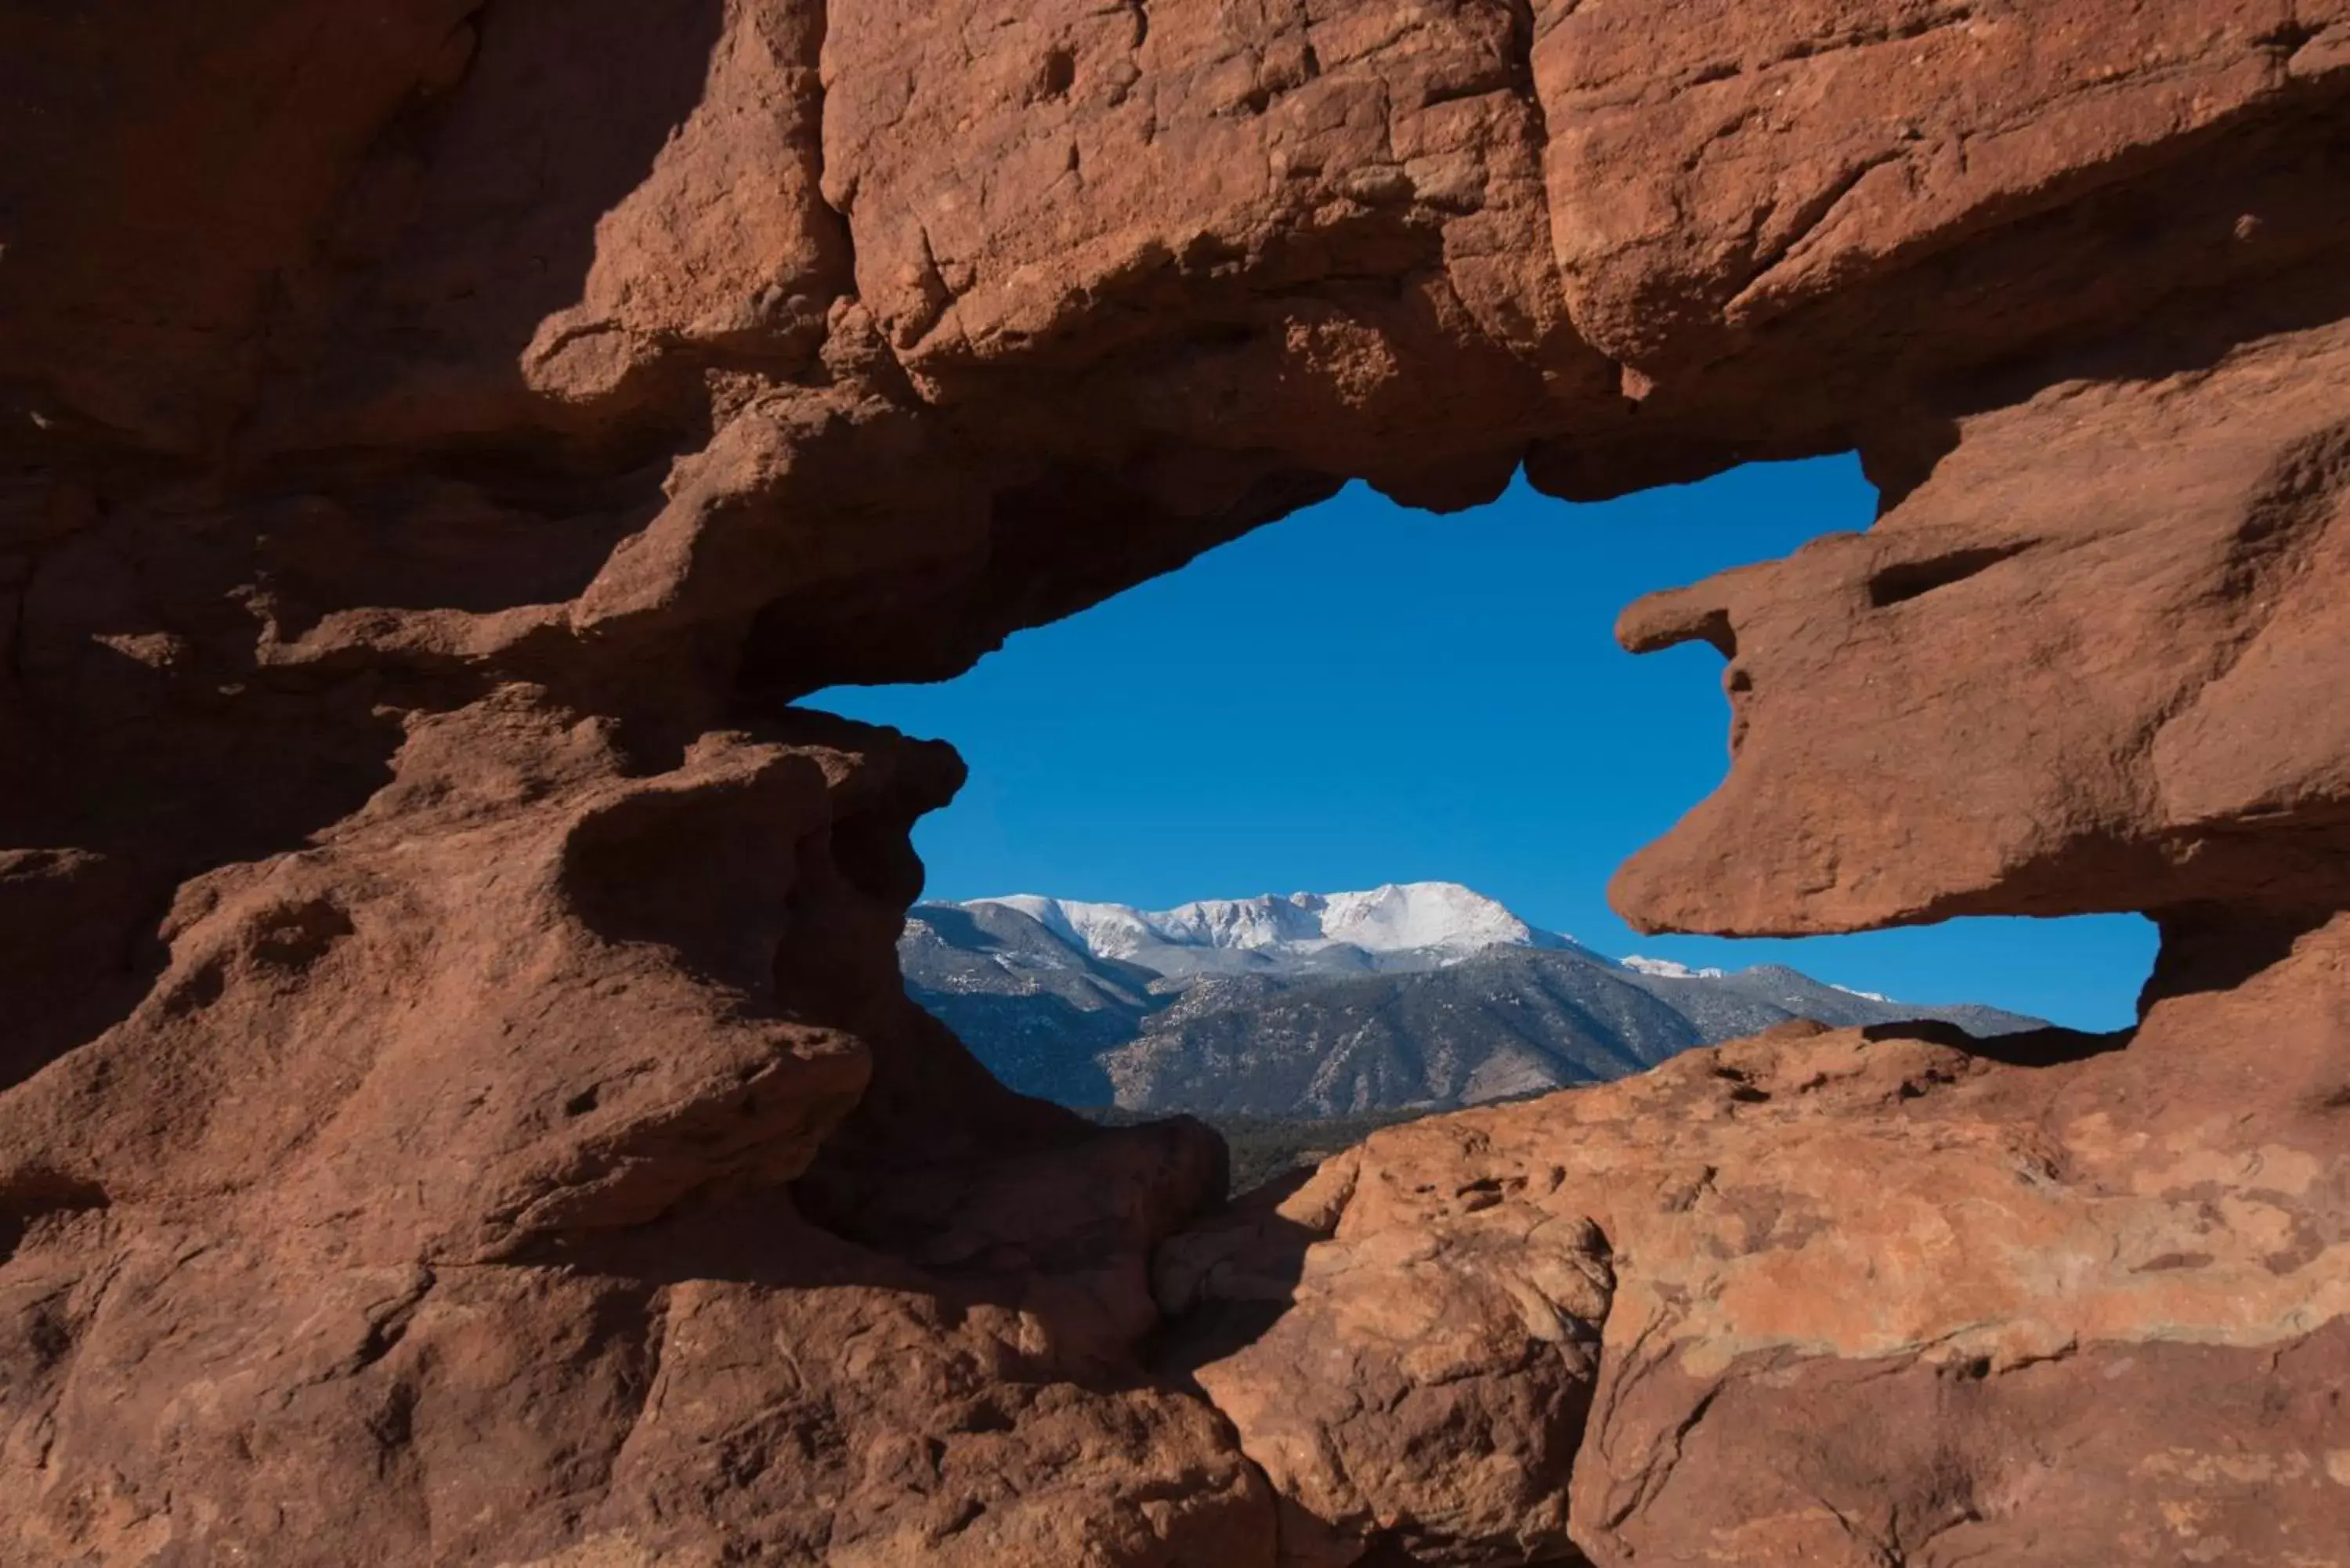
(456, 1092)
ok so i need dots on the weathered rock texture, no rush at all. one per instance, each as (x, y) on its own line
(456, 1102)
(2122, 598)
(1865, 1300)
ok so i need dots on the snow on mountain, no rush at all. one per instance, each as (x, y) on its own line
(1412, 994)
(1105, 930)
(1666, 968)
(1399, 916)
(1437, 918)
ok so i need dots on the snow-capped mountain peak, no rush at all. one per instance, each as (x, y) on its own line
(1443, 918)
(1414, 994)
(1396, 916)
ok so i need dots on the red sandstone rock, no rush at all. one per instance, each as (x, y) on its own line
(454, 1151)
(455, 1094)
(2115, 600)
(1716, 167)
(1423, 1390)
(1863, 1299)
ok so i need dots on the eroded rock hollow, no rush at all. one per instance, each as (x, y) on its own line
(457, 1102)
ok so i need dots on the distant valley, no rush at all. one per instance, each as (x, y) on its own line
(1409, 997)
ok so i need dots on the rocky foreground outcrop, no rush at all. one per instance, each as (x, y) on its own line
(1827, 1297)
(457, 1103)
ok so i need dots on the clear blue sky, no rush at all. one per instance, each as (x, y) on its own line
(1364, 693)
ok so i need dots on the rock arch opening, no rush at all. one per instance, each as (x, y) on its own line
(1367, 696)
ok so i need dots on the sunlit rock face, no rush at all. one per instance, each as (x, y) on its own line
(1822, 1296)
(457, 1090)
(2119, 598)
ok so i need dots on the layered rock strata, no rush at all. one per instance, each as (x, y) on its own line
(456, 1091)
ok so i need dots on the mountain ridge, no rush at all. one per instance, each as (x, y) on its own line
(1408, 923)
(1406, 996)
